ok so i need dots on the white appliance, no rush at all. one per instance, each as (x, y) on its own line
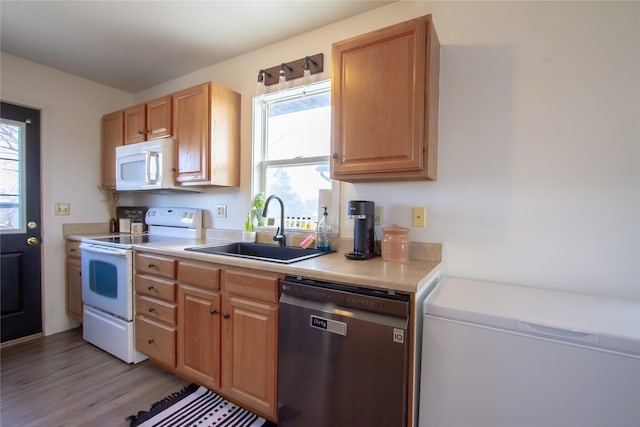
(502, 355)
(107, 278)
(147, 165)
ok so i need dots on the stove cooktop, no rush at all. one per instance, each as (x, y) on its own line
(130, 239)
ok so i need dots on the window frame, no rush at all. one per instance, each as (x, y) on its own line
(259, 142)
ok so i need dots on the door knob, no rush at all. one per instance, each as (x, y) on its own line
(31, 225)
(32, 241)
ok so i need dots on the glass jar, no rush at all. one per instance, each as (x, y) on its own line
(395, 244)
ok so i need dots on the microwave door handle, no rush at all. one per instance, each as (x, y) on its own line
(152, 178)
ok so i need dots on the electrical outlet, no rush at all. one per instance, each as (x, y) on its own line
(419, 217)
(377, 218)
(62, 208)
(221, 211)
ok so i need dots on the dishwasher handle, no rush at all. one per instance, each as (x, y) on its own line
(352, 297)
(318, 313)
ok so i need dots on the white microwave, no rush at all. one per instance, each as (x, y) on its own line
(147, 166)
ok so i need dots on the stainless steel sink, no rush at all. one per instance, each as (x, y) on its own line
(261, 252)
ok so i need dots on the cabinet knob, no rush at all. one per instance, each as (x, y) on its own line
(226, 315)
(213, 311)
(151, 265)
(150, 340)
(151, 310)
(72, 250)
(140, 132)
(150, 288)
(334, 156)
(147, 131)
(80, 273)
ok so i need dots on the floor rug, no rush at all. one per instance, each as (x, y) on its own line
(196, 406)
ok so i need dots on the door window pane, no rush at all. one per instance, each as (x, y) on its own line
(12, 136)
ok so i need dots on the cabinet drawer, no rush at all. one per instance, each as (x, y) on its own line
(156, 309)
(72, 248)
(155, 287)
(156, 265)
(199, 273)
(251, 283)
(156, 341)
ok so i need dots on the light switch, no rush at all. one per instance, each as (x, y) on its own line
(419, 217)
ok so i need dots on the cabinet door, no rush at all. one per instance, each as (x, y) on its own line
(381, 95)
(191, 129)
(112, 137)
(74, 289)
(249, 360)
(158, 118)
(134, 127)
(199, 335)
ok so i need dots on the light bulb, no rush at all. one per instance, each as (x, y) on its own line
(282, 80)
(306, 77)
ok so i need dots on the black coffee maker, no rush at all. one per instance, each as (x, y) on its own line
(364, 239)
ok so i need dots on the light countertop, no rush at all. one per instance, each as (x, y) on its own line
(373, 273)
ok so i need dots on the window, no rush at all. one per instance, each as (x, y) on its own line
(292, 139)
(12, 211)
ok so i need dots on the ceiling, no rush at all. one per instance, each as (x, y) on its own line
(134, 45)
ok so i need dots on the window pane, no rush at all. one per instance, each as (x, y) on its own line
(298, 187)
(11, 146)
(299, 127)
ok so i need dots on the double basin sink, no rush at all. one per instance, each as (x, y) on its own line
(260, 252)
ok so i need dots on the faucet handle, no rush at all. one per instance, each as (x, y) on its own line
(276, 236)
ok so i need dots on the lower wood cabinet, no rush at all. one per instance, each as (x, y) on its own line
(249, 361)
(199, 335)
(73, 272)
(225, 331)
(155, 308)
(249, 338)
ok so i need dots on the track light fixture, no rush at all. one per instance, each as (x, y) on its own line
(288, 71)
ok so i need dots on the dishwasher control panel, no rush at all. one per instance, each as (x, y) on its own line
(347, 296)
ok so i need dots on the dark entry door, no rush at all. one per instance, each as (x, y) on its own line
(20, 231)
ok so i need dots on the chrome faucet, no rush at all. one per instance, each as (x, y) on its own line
(279, 236)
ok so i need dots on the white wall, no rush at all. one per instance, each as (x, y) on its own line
(539, 163)
(71, 109)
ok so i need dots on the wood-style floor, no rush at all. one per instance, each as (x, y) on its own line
(61, 380)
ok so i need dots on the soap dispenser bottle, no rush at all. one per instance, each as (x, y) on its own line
(322, 240)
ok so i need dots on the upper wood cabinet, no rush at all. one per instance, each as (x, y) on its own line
(112, 137)
(385, 104)
(148, 121)
(206, 125)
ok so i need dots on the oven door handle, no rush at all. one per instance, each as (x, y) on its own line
(104, 250)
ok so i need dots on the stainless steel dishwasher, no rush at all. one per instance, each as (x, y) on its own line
(343, 355)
